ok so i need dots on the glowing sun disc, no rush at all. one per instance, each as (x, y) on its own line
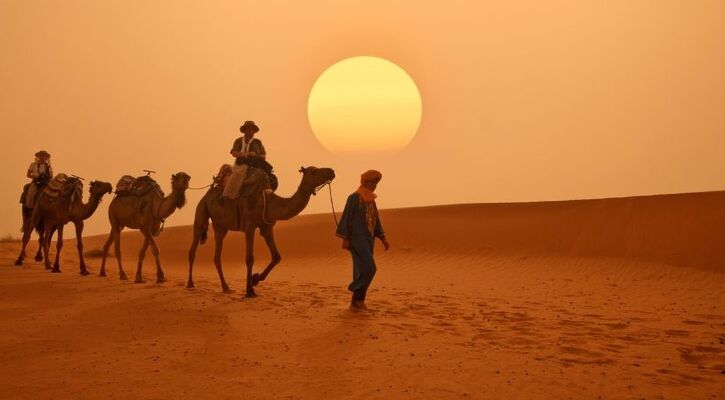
(363, 105)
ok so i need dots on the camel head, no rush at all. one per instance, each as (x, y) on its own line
(99, 188)
(179, 184)
(313, 178)
(180, 181)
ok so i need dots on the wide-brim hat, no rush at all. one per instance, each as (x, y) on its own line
(249, 126)
(42, 153)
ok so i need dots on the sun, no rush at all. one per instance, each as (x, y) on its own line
(364, 105)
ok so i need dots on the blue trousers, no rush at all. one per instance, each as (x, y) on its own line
(363, 266)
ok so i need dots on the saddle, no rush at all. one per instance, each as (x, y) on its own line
(222, 177)
(254, 181)
(62, 186)
(130, 186)
(264, 165)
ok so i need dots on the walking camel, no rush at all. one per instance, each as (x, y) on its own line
(259, 210)
(54, 213)
(145, 210)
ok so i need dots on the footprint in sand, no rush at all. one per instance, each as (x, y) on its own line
(583, 356)
(711, 316)
(705, 357)
(617, 325)
(677, 333)
(693, 322)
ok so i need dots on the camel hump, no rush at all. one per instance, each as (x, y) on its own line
(62, 186)
(124, 184)
(255, 182)
(130, 186)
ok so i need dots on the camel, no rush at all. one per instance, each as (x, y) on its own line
(54, 213)
(259, 210)
(146, 212)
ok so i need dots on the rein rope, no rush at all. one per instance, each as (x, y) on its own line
(314, 192)
(332, 203)
(163, 221)
(264, 208)
(202, 187)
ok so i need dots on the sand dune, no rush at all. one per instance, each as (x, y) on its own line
(683, 229)
(618, 298)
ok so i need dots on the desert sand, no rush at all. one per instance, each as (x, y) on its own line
(611, 299)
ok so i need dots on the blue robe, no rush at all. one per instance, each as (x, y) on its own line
(361, 224)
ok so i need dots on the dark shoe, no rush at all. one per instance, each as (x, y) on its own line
(358, 305)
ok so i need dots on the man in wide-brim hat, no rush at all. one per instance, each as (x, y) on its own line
(246, 149)
(40, 171)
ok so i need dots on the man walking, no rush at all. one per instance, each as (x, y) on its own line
(359, 226)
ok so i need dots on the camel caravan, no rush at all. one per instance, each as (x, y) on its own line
(241, 198)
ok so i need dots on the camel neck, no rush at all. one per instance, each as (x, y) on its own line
(87, 209)
(170, 203)
(281, 208)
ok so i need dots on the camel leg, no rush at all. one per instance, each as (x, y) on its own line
(160, 278)
(47, 240)
(26, 238)
(79, 240)
(117, 247)
(28, 228)
(106, 248)
(39, 253)
(249, 235)
(201, 226)
(46, 247)
(219, 235)
(141, 256)
(268, 234)
(192, 256)
(58, 248)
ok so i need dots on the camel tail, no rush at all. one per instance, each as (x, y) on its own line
(204, 232)
(201, 221)
(27, 218)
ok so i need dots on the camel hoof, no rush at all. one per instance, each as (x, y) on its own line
(19, 262)
(102, 274)
(160, 279)
(190, 285)
(38, 258)
(55, 270)
(256, 279)
(139, 280)
(85, 272)
(225, 289)
(48, 266)
(250, 295)
(123, 277)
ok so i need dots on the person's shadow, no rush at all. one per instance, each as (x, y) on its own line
(335, 352)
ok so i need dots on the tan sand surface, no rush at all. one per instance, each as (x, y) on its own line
(612, 299)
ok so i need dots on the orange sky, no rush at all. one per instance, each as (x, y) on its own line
(522, 101)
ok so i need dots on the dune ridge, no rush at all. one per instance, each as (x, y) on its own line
(679, 229)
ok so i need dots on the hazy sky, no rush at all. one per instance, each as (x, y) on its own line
(522, 100)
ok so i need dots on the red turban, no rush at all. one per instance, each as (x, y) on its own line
(371, 175)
